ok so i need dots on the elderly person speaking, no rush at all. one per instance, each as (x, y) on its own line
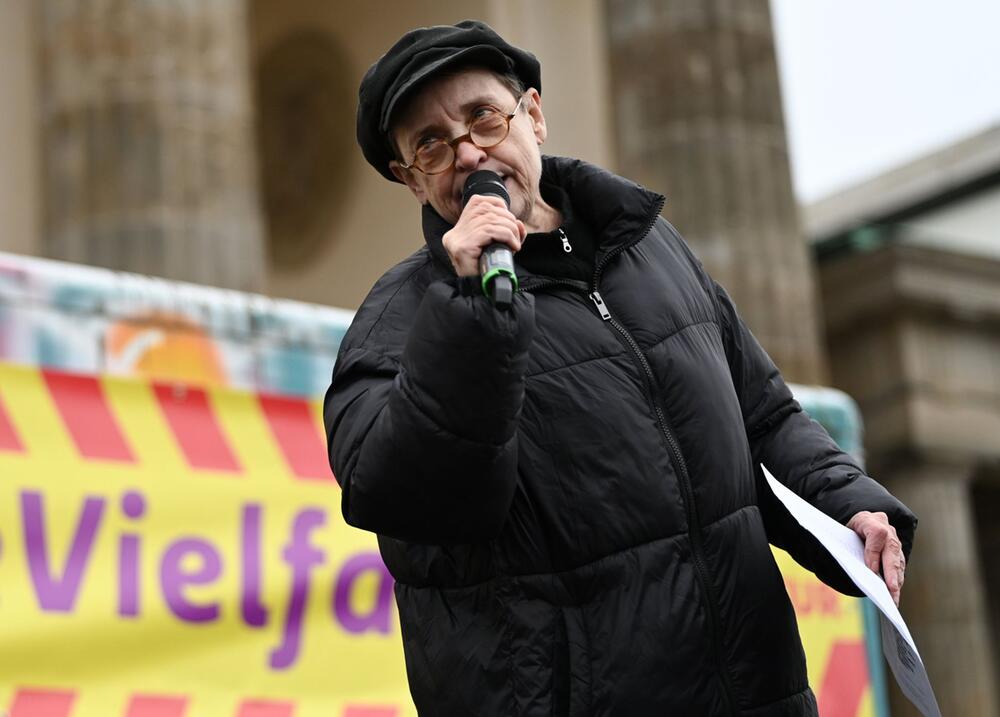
(568, 492)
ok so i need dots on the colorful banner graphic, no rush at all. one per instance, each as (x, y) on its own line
(175, 551)
(79, 318)
(832, 629)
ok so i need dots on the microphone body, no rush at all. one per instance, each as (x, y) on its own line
(496, 263)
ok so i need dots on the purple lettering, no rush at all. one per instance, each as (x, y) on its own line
(133, 506)
(379, 618)
(58, 594)
(301, 556)
(254, 612)
(174, 578)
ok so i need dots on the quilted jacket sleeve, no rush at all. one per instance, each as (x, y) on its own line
(801, 454)
(421, 416)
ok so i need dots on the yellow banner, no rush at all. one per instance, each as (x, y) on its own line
(172, 551)
(832, 629)
(162, 555)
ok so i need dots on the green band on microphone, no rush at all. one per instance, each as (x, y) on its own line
(498, 271)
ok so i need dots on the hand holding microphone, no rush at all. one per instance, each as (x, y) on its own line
(486, 236)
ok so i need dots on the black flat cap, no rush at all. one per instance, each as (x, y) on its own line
(416, 57)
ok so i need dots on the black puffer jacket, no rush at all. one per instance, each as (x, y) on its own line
(566, 494)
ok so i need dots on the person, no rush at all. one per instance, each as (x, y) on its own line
(568, 493)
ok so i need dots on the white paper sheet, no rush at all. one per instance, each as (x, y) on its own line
(847, 549)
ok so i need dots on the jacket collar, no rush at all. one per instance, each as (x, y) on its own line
(616, 208)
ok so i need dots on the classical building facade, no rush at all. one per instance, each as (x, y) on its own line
(909, 268)
(214, 142)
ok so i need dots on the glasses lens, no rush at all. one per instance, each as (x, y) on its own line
(434, 157)
(489, 129)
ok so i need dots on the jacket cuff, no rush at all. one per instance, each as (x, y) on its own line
(470, 286)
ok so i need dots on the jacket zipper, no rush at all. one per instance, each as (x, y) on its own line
(567, 247)
(680, 465)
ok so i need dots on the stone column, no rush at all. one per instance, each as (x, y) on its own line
(943, 600)
(698, 117)
(147, 138)
(20, 225)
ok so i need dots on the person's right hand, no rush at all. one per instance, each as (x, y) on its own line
(883, 549)
(484, 220)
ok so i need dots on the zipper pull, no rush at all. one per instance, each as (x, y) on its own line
(567, 247)
(601, 307)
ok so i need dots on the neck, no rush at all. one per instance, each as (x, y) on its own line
(544, 217)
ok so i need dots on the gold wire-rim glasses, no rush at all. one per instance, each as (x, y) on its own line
(467, 137)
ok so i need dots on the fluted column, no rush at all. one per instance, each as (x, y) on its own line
(698, 117)
(147, 137)
(943, 600)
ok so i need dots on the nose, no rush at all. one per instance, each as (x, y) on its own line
(468, 156)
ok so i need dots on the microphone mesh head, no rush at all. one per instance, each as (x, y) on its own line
(484, 182)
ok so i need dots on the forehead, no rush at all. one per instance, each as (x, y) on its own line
(451, 97)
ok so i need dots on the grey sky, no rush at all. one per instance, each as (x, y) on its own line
(869, 84)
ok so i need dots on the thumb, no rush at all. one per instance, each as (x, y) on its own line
(521, 229)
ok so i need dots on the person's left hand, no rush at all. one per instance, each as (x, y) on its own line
(883, 550)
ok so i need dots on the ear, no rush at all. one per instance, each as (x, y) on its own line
(409, 178)
(533, 101)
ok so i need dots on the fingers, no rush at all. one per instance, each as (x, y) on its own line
(484, 220)
(871, 530)
(883, 552)
(893, 564)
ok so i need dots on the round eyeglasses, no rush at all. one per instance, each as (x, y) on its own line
(488, 127)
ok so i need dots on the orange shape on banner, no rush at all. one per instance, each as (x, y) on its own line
(84, 409)
(292, 424)
(265, 708)
(8, 436)
(164, 346)
(195, 427)
(42, 703)
(156, 706)
(844, 681)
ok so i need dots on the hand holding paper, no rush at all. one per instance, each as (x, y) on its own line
(883, 549)
(847, 549)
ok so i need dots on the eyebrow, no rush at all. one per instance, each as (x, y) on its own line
(465, 108)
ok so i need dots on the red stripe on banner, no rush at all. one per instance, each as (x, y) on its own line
(8, 436)
(42, 703)
(84, 409)
(372, 711)
(292, 424)
(265, 708)
(195, 427)
(845, 680)
(156, 706)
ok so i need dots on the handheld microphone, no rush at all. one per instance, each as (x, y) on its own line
(496, 263)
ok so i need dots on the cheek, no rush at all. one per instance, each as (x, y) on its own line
(530, 171)
(446, 204)
(440, 191)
